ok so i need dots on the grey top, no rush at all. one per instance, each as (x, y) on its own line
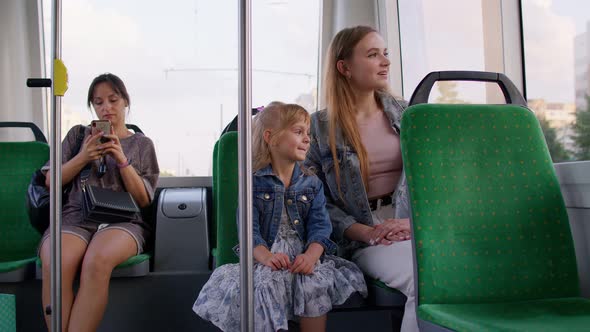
(141, 154)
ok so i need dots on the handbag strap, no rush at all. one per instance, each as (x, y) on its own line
(80, 138)
(79, 142)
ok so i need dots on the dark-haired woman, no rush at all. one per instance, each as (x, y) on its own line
(91, 248)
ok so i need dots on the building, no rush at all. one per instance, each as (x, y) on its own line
(560, 116)
(582, 67)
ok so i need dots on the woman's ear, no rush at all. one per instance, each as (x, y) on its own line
(343, 68)
(266, 135)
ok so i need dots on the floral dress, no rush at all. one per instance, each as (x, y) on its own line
(279, 296)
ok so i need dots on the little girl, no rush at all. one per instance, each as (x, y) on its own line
(295, 275)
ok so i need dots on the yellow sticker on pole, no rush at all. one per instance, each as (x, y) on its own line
(60, 78)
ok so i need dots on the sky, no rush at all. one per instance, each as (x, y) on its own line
(179, 58)
(179, 62)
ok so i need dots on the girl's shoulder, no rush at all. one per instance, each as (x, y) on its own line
(311, 178)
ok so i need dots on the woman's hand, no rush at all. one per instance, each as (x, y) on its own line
(389, 231)
(399, 236)
(90, 149)
(113, 148)
(303, 264)
(277, 261)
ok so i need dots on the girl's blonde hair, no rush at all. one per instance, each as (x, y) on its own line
(276, 117)
(340, 98)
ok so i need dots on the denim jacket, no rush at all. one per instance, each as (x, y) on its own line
(353, 205)
(305, 203)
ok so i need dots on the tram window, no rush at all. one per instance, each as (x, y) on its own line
(451, 35)
(557, 63)
(179, 62)
(451, 92)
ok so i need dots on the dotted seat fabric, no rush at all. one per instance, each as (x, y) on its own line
(555, 315)
(7, 313)
(18, 161)
(490, 225)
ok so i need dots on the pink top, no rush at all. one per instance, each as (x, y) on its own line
(384, 152)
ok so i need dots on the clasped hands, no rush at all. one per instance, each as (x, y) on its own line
(303, 263)
(390, 231)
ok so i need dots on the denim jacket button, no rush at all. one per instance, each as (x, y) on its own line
(289, 202)
(296, 221)
(304, 198)
(266, 196)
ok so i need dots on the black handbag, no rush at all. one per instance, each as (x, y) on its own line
(37, 201)
(102, 205)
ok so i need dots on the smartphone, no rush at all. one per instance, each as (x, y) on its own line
(101, 125)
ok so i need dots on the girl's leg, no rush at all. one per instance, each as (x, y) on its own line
(106, 250)
(393, 266)
(73, 248)
(313, 324)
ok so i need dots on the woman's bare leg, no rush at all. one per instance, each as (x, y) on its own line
(72, 252)
(106, 250)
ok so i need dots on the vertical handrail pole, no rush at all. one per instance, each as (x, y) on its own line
(245, 165)
(55, 174)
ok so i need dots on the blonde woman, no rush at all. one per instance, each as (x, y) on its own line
(355, 151)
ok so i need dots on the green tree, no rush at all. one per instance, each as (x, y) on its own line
(556, 149)
(448, 93)
(581, 135)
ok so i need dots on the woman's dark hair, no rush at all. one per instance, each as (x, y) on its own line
(116, 84)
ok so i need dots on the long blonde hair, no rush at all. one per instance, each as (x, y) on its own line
(340, 98)
(277, 117)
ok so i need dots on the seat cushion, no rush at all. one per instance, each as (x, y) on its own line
(564, 314)
(384, 295)
(134, 260)
(13, 265)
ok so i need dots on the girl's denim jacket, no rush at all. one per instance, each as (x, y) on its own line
(305, 203)
(352, 205)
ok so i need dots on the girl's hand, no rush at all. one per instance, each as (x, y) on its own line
(277, 261)
(113, 148)
(90, 149)
(303, 264)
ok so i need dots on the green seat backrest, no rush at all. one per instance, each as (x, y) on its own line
(213, 224)
(7, 313)
(489, 219)
(18, 161)
(225, 182)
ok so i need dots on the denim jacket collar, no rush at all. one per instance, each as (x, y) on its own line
(267, 171)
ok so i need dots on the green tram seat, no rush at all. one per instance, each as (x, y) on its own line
(225, 198)
(492, 244)
(18, 239)
(7, 313)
